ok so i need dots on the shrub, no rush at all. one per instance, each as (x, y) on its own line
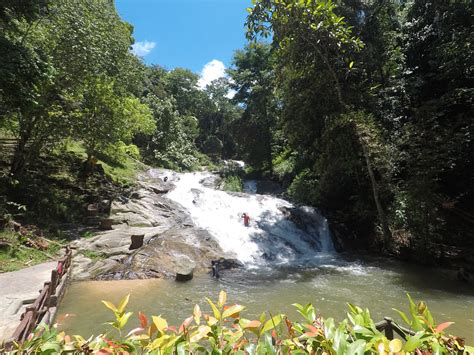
(232, 183)
(225, 331)
(304, 188)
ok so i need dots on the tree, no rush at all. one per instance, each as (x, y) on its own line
(437, 130)
(105, 119)
(169, 145)
(217, 120)
(252, 77)
(73, 41)
(316, 50)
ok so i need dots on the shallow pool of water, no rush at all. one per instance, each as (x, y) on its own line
(376, 284)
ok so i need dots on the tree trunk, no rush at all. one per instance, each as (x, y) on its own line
(19, 161)
(380, 211)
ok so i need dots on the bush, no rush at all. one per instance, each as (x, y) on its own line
(225, 331)
(304, 188)
(232, 183)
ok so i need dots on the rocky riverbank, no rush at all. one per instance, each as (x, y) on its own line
(171, 243)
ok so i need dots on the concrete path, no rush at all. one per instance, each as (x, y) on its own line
(17, 289)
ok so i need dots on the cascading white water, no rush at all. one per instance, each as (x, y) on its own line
(275, 235)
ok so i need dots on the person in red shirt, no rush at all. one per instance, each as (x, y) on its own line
(246, 218)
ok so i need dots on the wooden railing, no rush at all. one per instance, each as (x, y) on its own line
(39, 311)
(389, 328)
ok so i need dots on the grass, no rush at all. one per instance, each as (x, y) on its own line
(17, 256)
(93, 255)
(121, 169)
(87, 234)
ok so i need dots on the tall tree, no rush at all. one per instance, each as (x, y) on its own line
(252, 77)
(77, 40)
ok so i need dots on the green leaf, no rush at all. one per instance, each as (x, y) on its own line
(272, 323)
(202, 331)
(351, 64)
(124, 319)
(232, 310)
(414, 341)
(123, 304)
(160, 323)
(222, 298)
(110, 306)
(50, 348)
(216, 312)
(357, 347)
(403, 316)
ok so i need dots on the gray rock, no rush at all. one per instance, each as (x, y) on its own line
(185, 273)
(169, 237)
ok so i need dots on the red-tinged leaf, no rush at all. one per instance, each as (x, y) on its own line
(274, 334)
(143, 320)
(135, 331)
(443, 326)
(252, 324)
(233, 311)
(312, 328)
(289, 325)
(311, 334)
(172, 329)
(104, 351)
(185, 324)
(111, 343)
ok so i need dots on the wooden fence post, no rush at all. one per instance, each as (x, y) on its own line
(54, 281)
(389, 328)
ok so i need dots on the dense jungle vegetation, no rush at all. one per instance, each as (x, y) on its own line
(360, 108)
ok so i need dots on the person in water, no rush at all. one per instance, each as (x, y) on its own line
(246, 219)
(215, 269)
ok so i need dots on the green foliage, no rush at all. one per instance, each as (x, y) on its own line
(232, 183)
(252, 77)
(17, 255)
(305, 188)
(109, 120)
(226, 331)
(284, 164)
(93, 255)
(374, 109)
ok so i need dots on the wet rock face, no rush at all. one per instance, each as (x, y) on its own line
(172, 245)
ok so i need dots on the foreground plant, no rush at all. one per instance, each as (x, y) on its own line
(225, 331)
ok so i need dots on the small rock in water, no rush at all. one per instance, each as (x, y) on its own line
(185, 274)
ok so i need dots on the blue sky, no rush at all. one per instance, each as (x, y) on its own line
(187, 33)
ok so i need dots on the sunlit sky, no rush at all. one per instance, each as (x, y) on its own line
(200, 35)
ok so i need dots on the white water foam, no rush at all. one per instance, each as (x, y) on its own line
(271, 238)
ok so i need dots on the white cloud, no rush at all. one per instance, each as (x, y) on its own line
(141, 49)
(213, 70)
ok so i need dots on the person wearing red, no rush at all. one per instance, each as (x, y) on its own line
(246, 218)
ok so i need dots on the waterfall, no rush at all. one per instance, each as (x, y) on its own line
(279, 232)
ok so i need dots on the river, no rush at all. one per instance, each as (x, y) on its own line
(288, 258)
